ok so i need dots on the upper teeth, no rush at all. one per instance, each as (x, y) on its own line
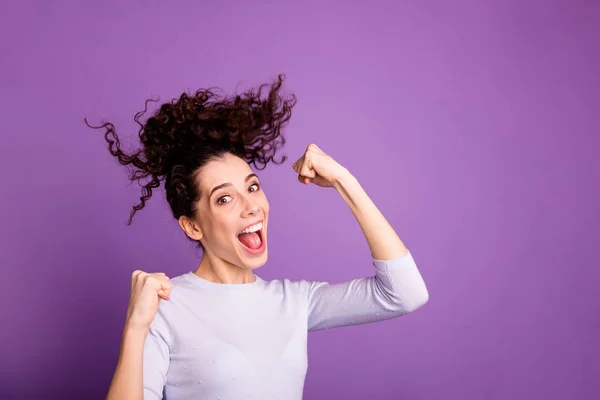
(253, 228)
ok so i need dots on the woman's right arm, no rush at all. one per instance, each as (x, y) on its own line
(127, 380)
(146, 292)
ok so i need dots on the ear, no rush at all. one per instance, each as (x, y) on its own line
(190, 227)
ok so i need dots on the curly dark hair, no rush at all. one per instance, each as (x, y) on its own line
(186, 133)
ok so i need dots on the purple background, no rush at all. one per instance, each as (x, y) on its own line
(472, 125)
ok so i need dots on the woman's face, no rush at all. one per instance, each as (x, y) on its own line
(233, 212)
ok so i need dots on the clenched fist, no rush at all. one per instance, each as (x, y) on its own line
(146, 291)
(315, 166)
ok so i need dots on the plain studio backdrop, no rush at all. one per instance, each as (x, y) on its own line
(473, 125)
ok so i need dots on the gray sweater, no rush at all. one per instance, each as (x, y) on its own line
(249, 341)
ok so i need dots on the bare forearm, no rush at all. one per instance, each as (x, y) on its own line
(381, 237)
(127, 382)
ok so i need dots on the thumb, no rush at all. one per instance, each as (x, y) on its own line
(305, 180)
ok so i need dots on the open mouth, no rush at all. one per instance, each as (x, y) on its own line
(253, 241)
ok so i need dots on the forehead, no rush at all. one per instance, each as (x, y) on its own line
(228, 168)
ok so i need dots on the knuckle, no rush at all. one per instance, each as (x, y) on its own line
(137, 274)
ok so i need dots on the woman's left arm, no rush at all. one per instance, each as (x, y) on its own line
(322, 170)
(381, 237)
(396, 288)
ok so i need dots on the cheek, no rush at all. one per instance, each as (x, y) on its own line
(215, 227)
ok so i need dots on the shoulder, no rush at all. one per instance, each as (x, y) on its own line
(182, 280)
(182, 289)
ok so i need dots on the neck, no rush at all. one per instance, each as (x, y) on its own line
(217, 270)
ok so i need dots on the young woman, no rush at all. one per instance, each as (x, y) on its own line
(220, 331)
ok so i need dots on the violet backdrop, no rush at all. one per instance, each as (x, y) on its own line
(471, 124)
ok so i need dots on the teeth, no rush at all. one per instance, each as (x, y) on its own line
(253, 228)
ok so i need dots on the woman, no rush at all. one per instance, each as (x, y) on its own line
(220, 331)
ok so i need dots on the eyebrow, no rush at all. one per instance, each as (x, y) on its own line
(226, 184)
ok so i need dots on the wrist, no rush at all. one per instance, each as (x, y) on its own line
(133, 330)
(343, 179)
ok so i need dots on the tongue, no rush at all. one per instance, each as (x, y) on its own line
(251, 240)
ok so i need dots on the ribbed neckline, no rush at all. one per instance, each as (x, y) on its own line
(206, 284)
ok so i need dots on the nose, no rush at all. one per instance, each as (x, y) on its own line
(254, 210)
(251, 207)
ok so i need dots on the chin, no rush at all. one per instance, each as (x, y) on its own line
(255, 262)
(257, 265)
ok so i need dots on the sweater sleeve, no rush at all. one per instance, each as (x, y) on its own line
(397, 288)
(156, 356)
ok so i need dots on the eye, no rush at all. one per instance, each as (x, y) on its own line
(257, 187)
(222, 202)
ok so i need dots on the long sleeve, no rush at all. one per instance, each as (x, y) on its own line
(156, 356)
(397, 288)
